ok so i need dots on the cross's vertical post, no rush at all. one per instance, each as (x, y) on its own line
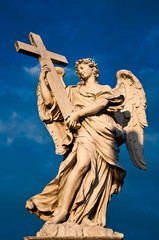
(38, 50)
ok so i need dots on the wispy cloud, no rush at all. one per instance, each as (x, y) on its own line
(17, 127)
(9, 141)
(70, 76)
(22, 92)
(70, 72)
(33, 71)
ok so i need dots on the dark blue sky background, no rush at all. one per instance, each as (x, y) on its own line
(117, 34)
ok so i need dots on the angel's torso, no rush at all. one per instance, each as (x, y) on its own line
(81, 97)
(100, 129)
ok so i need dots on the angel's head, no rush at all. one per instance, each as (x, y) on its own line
(85, 67)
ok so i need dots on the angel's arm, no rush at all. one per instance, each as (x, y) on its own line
(92, 109)
(45, 92)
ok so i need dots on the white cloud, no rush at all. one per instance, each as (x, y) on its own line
(17, 127)
(15, 115)
(22, 92)
(70, 72)
(9, 141)
(70, 77)
(32, 132)
(33, 71)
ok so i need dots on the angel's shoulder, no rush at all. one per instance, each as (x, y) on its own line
(70, 88)
(105, 88)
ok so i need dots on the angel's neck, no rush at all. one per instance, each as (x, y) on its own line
(90, 82)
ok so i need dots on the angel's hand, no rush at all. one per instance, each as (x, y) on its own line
(44, 70)
(72, 120)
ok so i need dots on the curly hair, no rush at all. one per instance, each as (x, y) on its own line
(91, 64)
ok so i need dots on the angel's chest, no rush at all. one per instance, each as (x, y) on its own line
(82, 99)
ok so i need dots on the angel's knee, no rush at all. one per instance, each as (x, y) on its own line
(83, 160)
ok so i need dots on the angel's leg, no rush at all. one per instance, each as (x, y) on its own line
(73, 182)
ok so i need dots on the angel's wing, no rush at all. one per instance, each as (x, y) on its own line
(132, 117)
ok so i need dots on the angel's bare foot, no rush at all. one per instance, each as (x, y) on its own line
(61, 217)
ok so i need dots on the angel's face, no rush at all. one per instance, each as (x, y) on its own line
(85, 71)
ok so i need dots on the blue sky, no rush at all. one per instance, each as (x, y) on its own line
(117, 34)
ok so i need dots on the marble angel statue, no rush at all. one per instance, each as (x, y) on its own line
(101, 120)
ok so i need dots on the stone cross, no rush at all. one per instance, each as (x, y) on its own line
(38, 50)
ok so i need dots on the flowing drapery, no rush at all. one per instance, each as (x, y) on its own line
(100, 135)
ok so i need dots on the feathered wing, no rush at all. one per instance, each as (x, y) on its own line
(132, 117)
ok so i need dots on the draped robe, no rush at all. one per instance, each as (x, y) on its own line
(101, 136)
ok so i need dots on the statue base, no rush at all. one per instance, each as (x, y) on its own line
(72, 238)
(74, 231)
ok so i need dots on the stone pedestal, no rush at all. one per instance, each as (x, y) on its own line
(73, 238)
(71, 231)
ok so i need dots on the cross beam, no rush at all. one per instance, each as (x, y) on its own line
(38, 50)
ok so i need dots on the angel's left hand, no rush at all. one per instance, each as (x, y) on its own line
(72, 120)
